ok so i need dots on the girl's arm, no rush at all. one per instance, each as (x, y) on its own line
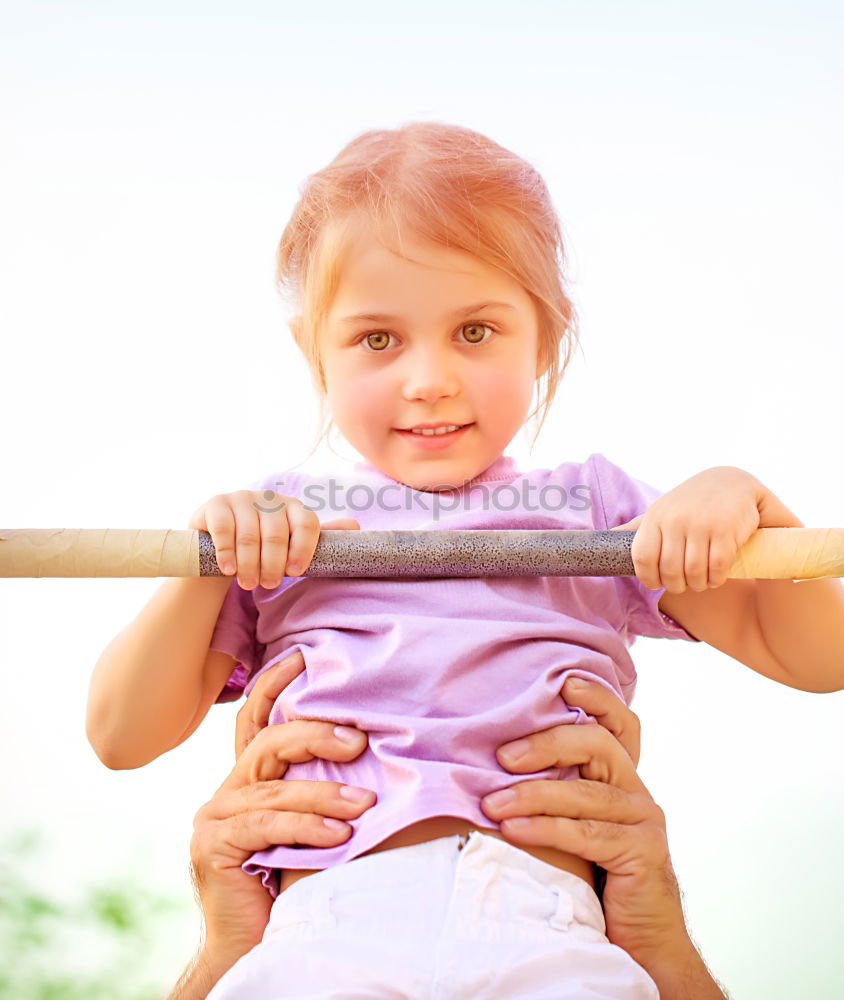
(687, 540)
(156, 679)
(790, 632)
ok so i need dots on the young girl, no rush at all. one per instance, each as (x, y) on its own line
(425, 265)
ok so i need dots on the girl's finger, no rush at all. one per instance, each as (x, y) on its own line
(696, 561)
(255, 713)
(672, 558)
(304, 537)
(276, 525)
(220, 524)
(645, 553)
(608, 709)
(629, 525)
(592, 748)
(197, 520)
(247, 541)
(722, 552)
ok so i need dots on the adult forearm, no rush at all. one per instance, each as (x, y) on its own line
(682, 975)
(201, 976)
(645, 917)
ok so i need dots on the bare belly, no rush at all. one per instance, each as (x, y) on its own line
(447, 826)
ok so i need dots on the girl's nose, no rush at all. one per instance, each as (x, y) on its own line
(429, 375)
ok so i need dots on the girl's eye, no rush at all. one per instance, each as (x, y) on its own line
(377, 341)
(478, 326)
(378, 335)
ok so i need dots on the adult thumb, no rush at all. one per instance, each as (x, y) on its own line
(342, 524)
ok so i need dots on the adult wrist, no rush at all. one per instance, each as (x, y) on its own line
(680, 972)
(198, 979)
(218, 960)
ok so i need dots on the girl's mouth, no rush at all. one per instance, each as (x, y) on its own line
(434, 442)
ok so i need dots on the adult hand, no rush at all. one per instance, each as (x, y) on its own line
(254, 715)
(606, 816)
(254, 809)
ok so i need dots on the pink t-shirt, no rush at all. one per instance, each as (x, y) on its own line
(440, 672)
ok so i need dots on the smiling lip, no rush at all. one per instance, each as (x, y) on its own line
(434, 442)
(428, 427)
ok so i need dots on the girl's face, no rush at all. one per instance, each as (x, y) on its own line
(441, 339)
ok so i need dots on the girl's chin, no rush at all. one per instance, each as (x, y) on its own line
(426, 480)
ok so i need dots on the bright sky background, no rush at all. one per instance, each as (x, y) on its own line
(152, 155)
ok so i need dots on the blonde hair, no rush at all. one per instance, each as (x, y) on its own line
(447, 185)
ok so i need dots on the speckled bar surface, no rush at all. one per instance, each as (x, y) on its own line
(460, 553)
(207, 556)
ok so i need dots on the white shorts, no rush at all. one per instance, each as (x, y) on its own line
(453, 918)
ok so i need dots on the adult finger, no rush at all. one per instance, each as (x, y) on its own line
(275, 747)
(592, 748)
(608, 709)
(322, 798)
(621, 848)
(579, 799)
(230, 840)
(255, 712)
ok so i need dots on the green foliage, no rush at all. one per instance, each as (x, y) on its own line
(96, 947)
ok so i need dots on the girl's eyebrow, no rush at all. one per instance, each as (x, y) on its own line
(464, 311)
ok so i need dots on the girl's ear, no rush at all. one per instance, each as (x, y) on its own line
(297, 329)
